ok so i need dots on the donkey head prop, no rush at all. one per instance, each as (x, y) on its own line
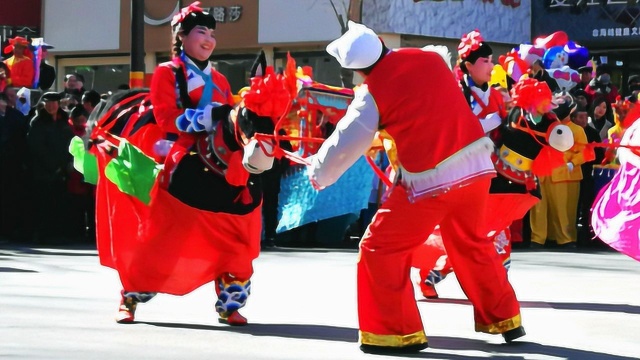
(534, 139)
(267, 100)
(286, 110)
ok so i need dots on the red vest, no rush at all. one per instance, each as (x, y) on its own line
(422, 108)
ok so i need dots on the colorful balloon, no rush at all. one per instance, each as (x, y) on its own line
(558, 38)
(578, 55)
(530, 53)
(565, 76)
(555, 57)
(513, 65)
(498, 76)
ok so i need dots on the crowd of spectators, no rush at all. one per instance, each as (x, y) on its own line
(42, 197)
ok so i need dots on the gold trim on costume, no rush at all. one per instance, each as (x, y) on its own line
(517, 161)
(500, 327)
(393, 340)
(389, 145)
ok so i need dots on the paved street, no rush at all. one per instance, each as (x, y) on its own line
(58, 303)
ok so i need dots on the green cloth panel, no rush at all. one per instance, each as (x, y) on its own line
(133, 172)
(83, 161)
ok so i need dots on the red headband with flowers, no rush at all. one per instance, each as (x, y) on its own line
(270, 95)
(469, 43)
(184, 12)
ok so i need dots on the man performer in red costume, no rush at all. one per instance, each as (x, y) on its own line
(444, 176)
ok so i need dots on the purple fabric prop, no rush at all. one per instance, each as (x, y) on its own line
(616, 210)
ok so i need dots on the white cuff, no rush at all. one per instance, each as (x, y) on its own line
(490, 122)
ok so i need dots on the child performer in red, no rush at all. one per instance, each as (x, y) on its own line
(476, 64)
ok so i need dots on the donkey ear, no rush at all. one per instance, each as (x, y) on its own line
(259, 65)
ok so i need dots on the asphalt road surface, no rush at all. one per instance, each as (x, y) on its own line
(59, 303)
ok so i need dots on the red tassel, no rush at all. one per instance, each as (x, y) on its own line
(236, 174)
(547, 160)
(588, 153)
(244, 196)
(530, 183)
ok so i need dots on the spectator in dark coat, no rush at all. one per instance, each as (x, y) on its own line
(47, 72)
(82, 195)
(587, 185)
(13, 150)
(539, 73)
(48, 139)
(90, 99)
(602, 85)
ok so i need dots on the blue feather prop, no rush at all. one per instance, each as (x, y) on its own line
(299, 203)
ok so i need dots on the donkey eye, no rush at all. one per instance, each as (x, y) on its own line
(561, 138)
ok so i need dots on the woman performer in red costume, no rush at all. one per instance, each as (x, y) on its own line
(203, 222)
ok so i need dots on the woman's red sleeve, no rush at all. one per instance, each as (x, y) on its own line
(164, 98)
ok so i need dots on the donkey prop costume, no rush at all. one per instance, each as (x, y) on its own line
(518, 141)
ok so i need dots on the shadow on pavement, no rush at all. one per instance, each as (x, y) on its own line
(282, 249)
(437, 344)
(296, 331)
(69, 249)
(10, 269)
(519, 350)
(618, 308)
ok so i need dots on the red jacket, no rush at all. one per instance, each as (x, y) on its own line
(164, 95)
(22, 71)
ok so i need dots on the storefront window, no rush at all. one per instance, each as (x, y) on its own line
(237, 71)
(101, 78)
(326, 69)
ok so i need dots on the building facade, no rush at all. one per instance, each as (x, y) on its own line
(93, 37)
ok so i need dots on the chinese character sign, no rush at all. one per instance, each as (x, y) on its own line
(592, 22)
(226, 14)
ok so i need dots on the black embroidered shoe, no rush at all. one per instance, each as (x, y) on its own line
(513, 334)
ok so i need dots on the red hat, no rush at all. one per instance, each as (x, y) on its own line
(16, 41)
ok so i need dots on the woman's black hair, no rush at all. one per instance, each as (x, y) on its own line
(192, 20)
(77, 111)
(597, 100)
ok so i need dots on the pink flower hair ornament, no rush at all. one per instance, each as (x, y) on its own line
(469, 43)
(184, 12)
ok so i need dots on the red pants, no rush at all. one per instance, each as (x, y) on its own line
(434, 264)
(388, 313)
